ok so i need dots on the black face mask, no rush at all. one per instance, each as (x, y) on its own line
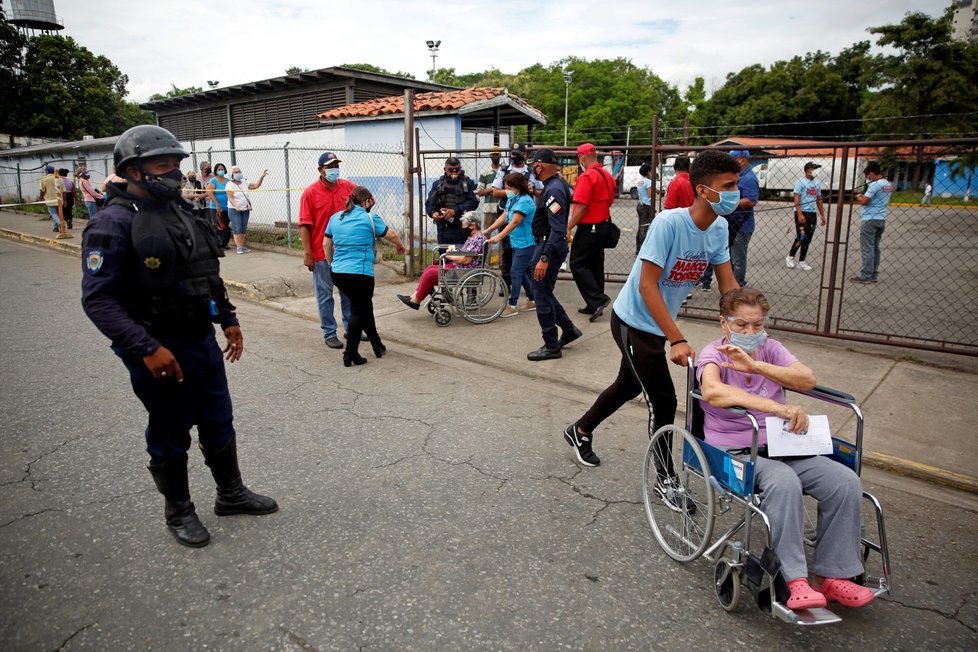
(517, 160)
(162, 186)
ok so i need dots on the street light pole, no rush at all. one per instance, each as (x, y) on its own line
(568, 78)
(433, 48)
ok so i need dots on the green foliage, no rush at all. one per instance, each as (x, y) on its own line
(929, 76)
(176, 92)
(56, 88)
(294, 70)
(367, 67)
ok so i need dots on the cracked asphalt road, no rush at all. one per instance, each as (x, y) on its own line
(426, 503)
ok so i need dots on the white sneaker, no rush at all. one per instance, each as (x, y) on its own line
(789, 261)
(805, 266)
(510, 311)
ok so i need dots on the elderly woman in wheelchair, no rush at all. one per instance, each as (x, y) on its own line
(749, 370)
(429, 277)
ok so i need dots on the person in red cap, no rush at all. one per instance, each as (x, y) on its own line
(323, 198)
(593, 196)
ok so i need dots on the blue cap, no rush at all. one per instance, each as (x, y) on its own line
(49, 168)
(740, 153)
(328, 157)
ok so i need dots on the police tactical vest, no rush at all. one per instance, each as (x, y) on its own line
(178, 271)
(452, 194)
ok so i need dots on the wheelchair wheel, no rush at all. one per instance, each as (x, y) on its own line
(443, 316)
(433, 302)
(726, 583)
(480, 296)
(678, 497)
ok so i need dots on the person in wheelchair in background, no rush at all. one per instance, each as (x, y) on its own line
(748, 369)
(474, 243)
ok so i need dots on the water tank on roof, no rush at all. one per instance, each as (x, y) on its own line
(34, 14)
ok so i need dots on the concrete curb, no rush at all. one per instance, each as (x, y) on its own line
(254, 293)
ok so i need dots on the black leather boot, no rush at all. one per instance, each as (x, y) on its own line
(181, 516)
(232, 496)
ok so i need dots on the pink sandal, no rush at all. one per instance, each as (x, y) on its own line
(845, 593)
(803, 596)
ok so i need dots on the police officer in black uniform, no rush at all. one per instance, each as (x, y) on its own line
(550, 233)
(451, 195)
(151, 283)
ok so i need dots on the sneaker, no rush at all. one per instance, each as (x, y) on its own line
(509, 311)
(789, 261)
(805, 266)
(674, 496)
(334, 342)
(859, 279)
(568, 336)
(529, 305)
(242, 250)
(582, 446)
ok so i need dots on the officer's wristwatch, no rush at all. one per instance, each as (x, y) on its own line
(544, 259)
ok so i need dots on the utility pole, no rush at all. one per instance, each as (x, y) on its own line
(568, 78)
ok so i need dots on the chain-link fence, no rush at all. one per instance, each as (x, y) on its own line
(927, 289)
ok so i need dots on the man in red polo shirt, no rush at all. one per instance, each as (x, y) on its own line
(322, 199)
(593, 196)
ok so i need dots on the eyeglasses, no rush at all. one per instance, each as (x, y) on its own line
(742, 324)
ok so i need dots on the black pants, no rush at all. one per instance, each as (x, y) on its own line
(550, 314)
(69, 208)
(587, 263)
(645, 370)
(223, 226)
(803, 235)
(506, 262)
(201, 400)
(359, 289)
(644, 220)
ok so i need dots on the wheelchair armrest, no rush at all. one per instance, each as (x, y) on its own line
(830, 395)
(698, 395)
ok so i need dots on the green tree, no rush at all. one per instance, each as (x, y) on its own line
(62, 89)
(12, 44)
(367, 67)
(294, 70)
(927, 88)
(176, 92)
(964, 166)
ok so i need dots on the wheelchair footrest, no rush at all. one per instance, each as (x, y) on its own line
(805, 617)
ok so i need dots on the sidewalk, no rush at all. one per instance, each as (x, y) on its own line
(918, 404)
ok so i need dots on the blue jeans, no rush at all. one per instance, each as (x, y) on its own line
(239, 221)
(870, 234)
(53, 210)
(738, 256)
(322, 281)
(520, 274)
(92, 208)
(550, 313)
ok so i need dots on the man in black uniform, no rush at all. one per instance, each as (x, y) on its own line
(450, 196)
(550, 232)
(151, 283)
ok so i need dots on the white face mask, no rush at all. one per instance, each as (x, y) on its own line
(813, 172)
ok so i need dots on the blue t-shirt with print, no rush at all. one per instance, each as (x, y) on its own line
(222, 197)
(522, 236)
(808, 191)
(879, 193)
(643, 191)
(353, 240)
(683, 251)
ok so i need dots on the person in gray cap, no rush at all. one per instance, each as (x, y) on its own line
(550, 233)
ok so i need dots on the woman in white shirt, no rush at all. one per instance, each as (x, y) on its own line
(239, 205)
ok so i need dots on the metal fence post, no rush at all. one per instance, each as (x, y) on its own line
(408, 177)
(20, 194)
(837, 235)
(288, 199)
(656, 166)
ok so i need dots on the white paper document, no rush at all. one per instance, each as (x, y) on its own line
(817, 440)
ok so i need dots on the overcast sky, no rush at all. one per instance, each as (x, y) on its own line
(188, 43)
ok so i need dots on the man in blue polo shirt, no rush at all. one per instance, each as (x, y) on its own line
(740, 222)
(875, 204)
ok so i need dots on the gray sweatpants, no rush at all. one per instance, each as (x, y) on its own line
(839, 494)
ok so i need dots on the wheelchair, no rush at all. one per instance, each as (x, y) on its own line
(709, 483)
(477, 294)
